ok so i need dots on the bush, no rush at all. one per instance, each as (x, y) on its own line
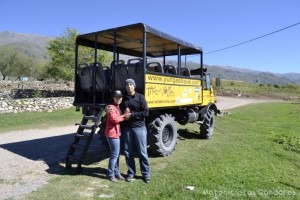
(293, 86)
(37, 94)
(276, 86)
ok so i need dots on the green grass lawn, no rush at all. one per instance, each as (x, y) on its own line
(33, 120)
(254, 154)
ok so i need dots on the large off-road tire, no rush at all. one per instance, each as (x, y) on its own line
(207, 127)
(162, 132)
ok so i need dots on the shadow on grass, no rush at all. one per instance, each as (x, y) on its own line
(186, 134)
(99, 173)
(53, 151)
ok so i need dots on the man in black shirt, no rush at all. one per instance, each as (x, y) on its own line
(134, 132)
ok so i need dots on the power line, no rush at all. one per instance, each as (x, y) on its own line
(252, 39)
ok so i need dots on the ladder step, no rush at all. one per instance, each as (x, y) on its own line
(87, 126)
(74, 158)
(77, 146)
(91, 117)
(81, 136)
(81, 133)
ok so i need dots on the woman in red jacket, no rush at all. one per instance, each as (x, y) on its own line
(113, 133)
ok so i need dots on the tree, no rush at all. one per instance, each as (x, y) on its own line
(14, 64)
(21, 66)
(39, 70)
(62, 53)
(7, 56)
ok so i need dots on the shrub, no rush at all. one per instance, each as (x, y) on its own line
(293, 86)
(37, 94)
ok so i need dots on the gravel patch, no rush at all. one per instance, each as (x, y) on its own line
(29, 157)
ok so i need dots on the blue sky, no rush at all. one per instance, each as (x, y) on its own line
(210, 24)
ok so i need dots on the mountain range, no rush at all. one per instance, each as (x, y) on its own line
(253, 76)
(29, 44)
(35, 46)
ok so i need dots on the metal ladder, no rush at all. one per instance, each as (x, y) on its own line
(83, 139)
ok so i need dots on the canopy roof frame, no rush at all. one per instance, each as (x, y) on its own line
(129, 41)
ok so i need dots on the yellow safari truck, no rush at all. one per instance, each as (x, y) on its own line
(168, 71)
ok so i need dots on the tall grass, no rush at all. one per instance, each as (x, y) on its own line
(243, 160)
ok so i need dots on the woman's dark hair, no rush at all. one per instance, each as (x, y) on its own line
(117, 93)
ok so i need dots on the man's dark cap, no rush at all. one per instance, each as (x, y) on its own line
(131, 81)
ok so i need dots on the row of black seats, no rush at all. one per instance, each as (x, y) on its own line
(167, 69)
(85, 75)
(122, 71)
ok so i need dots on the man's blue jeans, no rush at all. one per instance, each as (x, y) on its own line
(135, 139)
(113, 164)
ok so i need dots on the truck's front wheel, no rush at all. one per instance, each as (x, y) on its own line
(207, 127)
(162, 133)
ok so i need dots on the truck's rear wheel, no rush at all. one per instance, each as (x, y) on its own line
(162, 133)
(207, 127)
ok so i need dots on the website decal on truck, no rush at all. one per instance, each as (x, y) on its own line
(163, 91)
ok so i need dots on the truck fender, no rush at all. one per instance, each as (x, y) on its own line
(205, 109)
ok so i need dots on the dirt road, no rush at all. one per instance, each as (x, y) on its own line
(29, 157)
(225, 103)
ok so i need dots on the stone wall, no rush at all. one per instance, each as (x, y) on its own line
(35, 96)
(35, 104)
(35, 89)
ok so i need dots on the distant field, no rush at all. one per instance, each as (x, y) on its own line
(231, 87)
